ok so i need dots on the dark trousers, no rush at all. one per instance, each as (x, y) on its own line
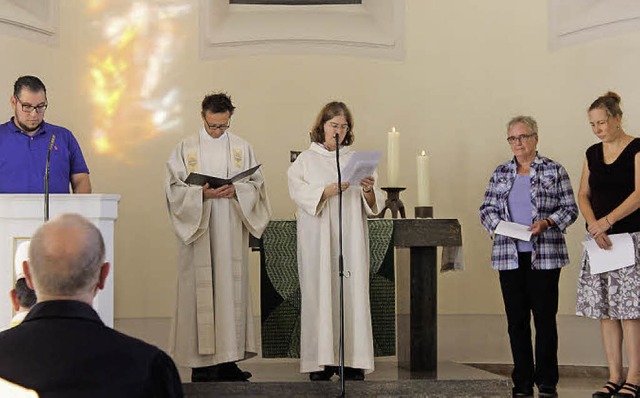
(525, 292)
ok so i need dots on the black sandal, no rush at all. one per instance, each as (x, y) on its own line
(611, 388)
(634, 388)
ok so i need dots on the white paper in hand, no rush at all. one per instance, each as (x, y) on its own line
(621, 254)
(513, 230)
(8, 389)
(362, 164)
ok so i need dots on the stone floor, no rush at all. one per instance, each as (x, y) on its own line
(281, 378)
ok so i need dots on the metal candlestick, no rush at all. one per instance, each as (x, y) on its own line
(423, 211)
(393, 202)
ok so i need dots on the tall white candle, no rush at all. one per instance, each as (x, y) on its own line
(393, 158)
(424, 199)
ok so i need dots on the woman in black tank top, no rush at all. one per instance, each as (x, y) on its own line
(609, 200)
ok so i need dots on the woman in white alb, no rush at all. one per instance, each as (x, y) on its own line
(313, 187)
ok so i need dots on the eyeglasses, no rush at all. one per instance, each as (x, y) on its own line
(512, 140)
(28, 108)
(344, 127)
(221, 127)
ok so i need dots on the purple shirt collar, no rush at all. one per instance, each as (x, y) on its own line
(16, 129)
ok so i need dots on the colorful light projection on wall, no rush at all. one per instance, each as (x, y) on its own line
(129, 71)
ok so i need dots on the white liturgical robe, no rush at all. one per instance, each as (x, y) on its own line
(318, 249)
(213, 321)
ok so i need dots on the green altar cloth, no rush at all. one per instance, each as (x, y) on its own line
(280, 290)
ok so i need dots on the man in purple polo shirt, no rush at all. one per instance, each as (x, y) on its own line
(25, 141)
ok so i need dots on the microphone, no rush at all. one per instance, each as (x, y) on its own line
(337, 138)
(53, 139)
(340, 269)
(46, 179)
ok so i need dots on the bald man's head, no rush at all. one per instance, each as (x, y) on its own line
(66, 256)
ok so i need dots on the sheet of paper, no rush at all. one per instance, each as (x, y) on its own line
(362, 164)
(621, 254)
(513, 230)
(8, 389)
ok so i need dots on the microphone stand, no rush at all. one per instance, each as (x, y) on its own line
(340, 269)
(46, 180)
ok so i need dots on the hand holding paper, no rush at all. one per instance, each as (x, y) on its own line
(513, 230)
(361, 165)
(367, 183)
(621, 254)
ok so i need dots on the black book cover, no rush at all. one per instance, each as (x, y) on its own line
(217, 182)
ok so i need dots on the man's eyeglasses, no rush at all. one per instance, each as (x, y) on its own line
(344, 127)
(28, 108)
(221, 127)
(512, 140)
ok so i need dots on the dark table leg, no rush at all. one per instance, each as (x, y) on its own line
(422, 353)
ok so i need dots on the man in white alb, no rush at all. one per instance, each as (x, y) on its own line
(213, 323)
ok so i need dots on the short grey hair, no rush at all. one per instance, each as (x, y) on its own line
(526, 120)
(66, 255)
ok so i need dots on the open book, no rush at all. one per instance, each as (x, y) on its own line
(217, 182)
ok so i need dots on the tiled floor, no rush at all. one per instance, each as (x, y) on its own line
(579, 387)
(287, 370)
(575, 381)
(270, 371)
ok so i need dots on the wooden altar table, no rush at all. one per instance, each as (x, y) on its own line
(418, 339)
(418, 346)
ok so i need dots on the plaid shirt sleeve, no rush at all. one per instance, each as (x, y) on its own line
(553, 199)
(566, 212)
(492, 209)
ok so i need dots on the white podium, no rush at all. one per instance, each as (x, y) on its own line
(22, 214)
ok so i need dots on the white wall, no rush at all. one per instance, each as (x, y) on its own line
(469, 67)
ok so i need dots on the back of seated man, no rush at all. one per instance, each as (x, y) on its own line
(22, 296)
(62, 348)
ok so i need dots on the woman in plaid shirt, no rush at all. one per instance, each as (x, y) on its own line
(535, 191)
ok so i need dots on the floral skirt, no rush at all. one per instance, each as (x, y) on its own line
(610, 295)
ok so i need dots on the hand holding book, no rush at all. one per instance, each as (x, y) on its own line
(223, 192)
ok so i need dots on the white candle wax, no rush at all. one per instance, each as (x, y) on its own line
(423, 180)
(393, 158)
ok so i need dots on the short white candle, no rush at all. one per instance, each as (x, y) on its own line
(424, 198)
(393, 157)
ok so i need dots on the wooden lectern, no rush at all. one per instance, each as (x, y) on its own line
(22, 214)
